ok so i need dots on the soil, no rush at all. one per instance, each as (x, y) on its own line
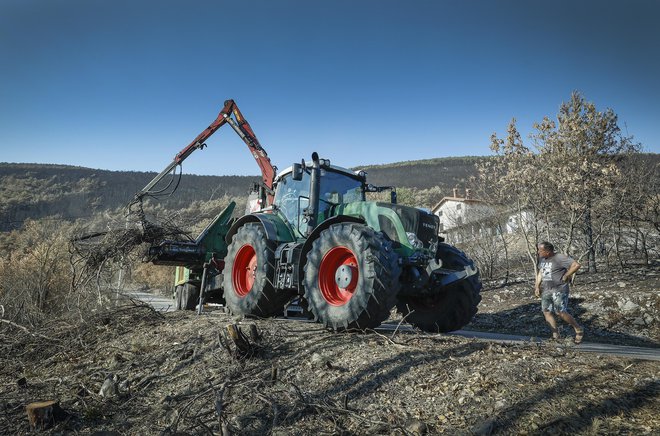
(136, 371)
(614, 308)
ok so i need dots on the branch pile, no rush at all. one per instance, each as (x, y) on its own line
(92, 253)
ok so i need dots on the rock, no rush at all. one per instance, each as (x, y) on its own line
(484, 428)
(318, 361)
(639, 321)
(621, 284)
(649, 319)
(416, 426)
(109, 387)
(629, 306)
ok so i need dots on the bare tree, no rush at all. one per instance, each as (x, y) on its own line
(511, 181)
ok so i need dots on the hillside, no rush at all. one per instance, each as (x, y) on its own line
(37, 191)
(445, 173)
(69, 192)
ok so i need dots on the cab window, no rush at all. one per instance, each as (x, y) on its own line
(291, 198)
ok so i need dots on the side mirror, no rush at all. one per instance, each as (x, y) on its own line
(297, 172)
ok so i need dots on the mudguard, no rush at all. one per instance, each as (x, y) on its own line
(275, 227)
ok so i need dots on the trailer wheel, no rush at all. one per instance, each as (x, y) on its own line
(351, 277)
(177, 297)
(187, 296)
(249, 273)
(451, 309)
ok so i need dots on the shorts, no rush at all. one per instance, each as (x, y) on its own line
(554, 302)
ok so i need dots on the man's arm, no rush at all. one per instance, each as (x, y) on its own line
(571, 270)
(537, 286)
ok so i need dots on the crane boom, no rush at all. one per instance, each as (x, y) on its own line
(231, 115)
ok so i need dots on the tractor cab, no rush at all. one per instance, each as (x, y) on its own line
(295, 192)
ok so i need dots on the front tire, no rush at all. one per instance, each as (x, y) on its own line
(351, 277)
(249, 273)
(453, 307)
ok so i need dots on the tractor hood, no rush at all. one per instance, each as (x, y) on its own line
(422, 224)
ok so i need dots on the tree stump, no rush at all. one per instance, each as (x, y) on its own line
(44, 414)
(236, 342)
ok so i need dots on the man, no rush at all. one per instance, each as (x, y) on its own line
(555, 272)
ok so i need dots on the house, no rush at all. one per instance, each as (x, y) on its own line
(456, 211)
(465, 217)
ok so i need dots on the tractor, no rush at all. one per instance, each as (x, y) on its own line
(313, 236)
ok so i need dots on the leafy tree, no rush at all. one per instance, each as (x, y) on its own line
(579, 155)
(566, 180)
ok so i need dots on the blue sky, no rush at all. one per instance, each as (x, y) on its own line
(125, 85)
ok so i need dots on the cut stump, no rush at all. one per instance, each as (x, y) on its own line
(236, 342)
(44, 414)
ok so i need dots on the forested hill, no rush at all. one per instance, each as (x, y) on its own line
(446, 173)
(39, 190)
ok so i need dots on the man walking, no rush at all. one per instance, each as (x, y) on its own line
(554, 274)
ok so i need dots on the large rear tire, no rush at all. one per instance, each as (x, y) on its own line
(453, 307)
(351, 277)
(249, 273)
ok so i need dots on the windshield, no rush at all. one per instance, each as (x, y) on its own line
(338, 188)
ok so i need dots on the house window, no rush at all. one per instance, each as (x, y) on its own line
(442, 227)
(439, 213)
(459, 220)
(458, 206)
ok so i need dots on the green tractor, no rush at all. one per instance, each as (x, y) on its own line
(349, 260)
(313, 237)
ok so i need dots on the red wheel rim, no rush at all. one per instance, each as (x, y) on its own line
(244, 271)
(338, 276)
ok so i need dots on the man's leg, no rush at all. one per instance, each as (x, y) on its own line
(547, 307)
(550, 319)
(562, 304)
(568, 318)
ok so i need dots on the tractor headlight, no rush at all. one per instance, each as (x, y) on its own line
(414, 240)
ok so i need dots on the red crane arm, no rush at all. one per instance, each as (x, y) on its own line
(232, 115)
